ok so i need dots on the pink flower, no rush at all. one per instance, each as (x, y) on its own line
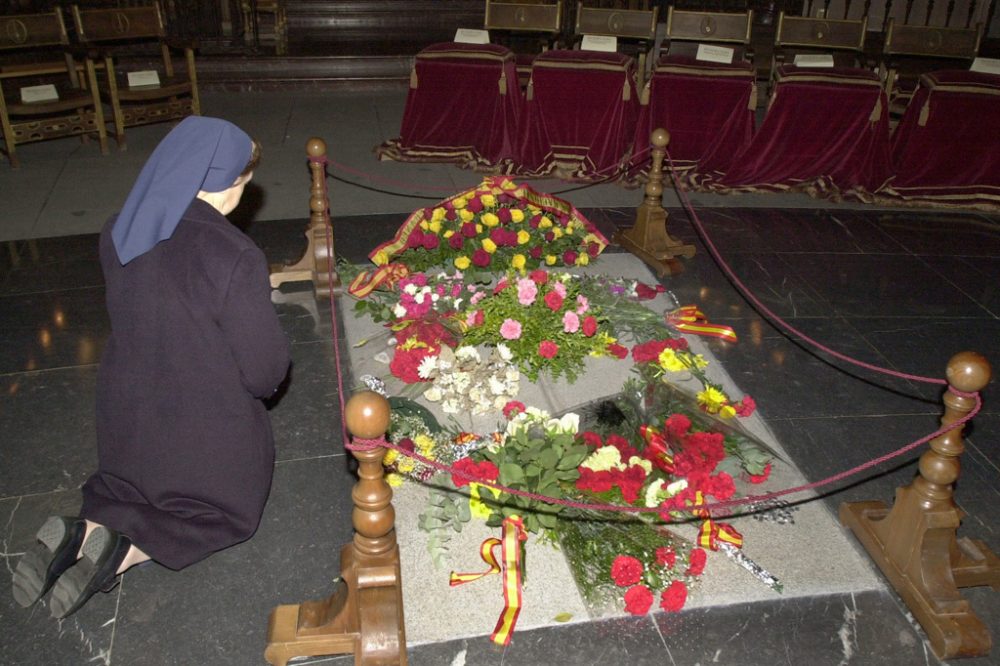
(512, 409)
(553, 300)
(571, 322)
(582, 304)
(638, 599)
(474, 319)
(589, 326)
(547, 348)
(527, 290)
(560, 289)
(626, 571)
(510, 329)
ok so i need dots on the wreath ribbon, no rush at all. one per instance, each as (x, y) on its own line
(656, 442)
(689, 319)
(509, 564)
(368, 281)
(712, 533)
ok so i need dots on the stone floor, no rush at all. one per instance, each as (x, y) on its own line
(901, 289)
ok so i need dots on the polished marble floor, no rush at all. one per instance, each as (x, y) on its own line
(901, 289)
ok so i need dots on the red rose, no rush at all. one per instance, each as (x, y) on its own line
(638, 599)
(626, 571)
(451, 214)
(762, 477)
(553, 300)
(696, 562)
(666, 557)
(431, 241)
(415, 240)
(645, 292)
(550, 236)
(475, 205)
(538, 276)
(504, 215)
(484, 471)
(672, 599)
(455, 241)
(536, 252)
(481, 258)
(593, 249)
(535, 221)
(469, 230)
(498, 236)
(569, 257)
(547, 349)
(512, 409)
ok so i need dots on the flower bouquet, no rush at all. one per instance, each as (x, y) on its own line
(496, 226)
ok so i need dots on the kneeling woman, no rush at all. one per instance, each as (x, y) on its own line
(185, 448)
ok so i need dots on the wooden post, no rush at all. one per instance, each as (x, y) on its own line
(648, 239)
(915, 544)
(318, 263)
(364, 615)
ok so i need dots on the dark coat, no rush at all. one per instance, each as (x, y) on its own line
(185, 448)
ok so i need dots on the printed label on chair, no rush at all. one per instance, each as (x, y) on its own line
(43, 93)
(147, 78)
(470, 36)
(985, 66)
(814, 60)
(599, 43)
(713, 53)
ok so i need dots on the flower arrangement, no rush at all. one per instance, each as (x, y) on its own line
(497, 226)
(462, 381)
(545, 321)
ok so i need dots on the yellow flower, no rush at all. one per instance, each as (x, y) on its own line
(523, 237)
(479, 228)
(699, 361)
(438, 214)
(727, 412)
(490, 219)
(489, 245)
(463, 262)
(545, 222)
(518, 261)
(459, 203)
(557, 233)
(569, 228)
(533, 209)
(488, 200)
(551, 259)
(394, 480)
(424, 224)
(435, 226)
(381, 258)
(591, 238)
(712, 399)
(425, 444)
(476, 506)
(390, 457)
(508, 185)
(466, 215)
(405, 465)
(449, 233)
(582, 259)
(517, 215)
(670, 361)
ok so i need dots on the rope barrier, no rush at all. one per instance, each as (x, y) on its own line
(362, 444)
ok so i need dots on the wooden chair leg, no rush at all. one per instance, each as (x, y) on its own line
(915, 544)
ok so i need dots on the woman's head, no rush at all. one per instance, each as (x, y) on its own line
(199, 155)
(227, 200)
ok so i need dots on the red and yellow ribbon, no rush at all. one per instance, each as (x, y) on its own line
(711, 532)
(656, 442)
(689, 319)
(509, 565)
(368, 281)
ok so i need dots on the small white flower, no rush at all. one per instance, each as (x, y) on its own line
(419, 298)
(676, 487)
(497, 387)
(458, 304)
(434, 298)
(427, 367)
(399, 311)
(410, 289)
(641, 462)
(505, 353)
(433, 394)
(653, 493)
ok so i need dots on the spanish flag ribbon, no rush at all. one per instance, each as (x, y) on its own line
(689, 319)
(711, 532)
(509, 565)
(368, 281)
(658, 444)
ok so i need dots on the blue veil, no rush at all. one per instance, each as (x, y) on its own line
(199, 154)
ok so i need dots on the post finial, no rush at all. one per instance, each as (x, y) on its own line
(968, 371)
(316, 147)
(367, 415)
(659, 137)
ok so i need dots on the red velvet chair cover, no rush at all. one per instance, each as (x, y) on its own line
(826, 131)
(464, 106)
(946, 149)
(580, 115)
(707, 107)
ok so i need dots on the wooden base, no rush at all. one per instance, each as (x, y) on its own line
(314, 266)
(916, 549)
(363, 617)
(648, 239)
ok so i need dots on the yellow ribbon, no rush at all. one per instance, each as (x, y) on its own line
(509, 564)
(689, 319)
(711, 532)
(658, 443)
(368, 281)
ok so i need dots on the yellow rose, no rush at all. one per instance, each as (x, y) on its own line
(489, 245)
(582, 259)
(557, 233)
(488, 200)
(516, 215)
(466, 215)
(463, 262)
(479, 228)
(508, 185)
(434, 226)
(381, 258)
(449, 233)
(518, 261)
(438, 214)
(523, 237)
(424, 224)
(551, 259)
(544, 223)
(490, 219)
(669, 361)
(459, 203)
(569, 227)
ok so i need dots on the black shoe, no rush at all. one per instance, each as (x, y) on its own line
(103, 552)
(54, 551)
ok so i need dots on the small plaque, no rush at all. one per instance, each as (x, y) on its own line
(43, 93)
(713, 53)
(814, 60)
(985, 66)
(470, 36)
(599, 43)
(147, 78)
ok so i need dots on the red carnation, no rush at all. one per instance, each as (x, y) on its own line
(626, 571)
(591, 438)
(512, 409)
(504, 215)
(481, 258)
(762, 477)
(673, 598)
(538, 276)
(638, 599)
(483, 471)
(666, 557)
(746, 406)
(696, 562)
(617, 350)
(589, 326)
(415, 239)
(498, 236)
(677, 425)
(547, 349)
(553, 300)
(595, 482)
(536, 252)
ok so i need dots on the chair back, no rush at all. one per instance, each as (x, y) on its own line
(687, 29)
(932, 41)
(524, 16)
(844, 39)
(118, 25)
(635, 24)
(24, 31)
